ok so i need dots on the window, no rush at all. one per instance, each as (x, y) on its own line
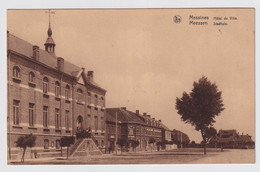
(89, 97)
(45, 116)
(31, 114)
(45, 85)
(31, 77)
(102, 123)
(67, 92)
(57, 89)
(102, 101)
(16, 119)
(57, 118)
(96, 122)
(46, 144)
(57, 144)
(80, 96)
(67, 122)
(96, 100)
(16, 72)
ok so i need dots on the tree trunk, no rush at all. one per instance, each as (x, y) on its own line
(67, 152)
(205, 146)
(22, 160)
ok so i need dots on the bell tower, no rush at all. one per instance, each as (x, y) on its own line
(49, 44)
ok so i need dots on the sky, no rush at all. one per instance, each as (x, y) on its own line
(145, 60)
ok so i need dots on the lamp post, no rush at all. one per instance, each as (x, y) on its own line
(116, 134)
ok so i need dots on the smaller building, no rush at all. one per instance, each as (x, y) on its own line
(179, 138)
(232, 140)
(132, 126)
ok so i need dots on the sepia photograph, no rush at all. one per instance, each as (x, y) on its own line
(130, 86)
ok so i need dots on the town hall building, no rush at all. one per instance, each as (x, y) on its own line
(49, 97)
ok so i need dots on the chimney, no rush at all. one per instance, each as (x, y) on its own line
(91, 74)
(36, 52)
(123, 108)
(144, 114)
(137, 112)
(60, 64)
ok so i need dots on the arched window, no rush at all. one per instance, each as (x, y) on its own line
(79, 122)
(46, 144)
(45, 85)
(57, 89)
(31, 77)
(80, 95)
(16, 72)
(67, 92)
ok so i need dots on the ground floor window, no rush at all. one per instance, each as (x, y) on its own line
(46, 144)
(57, 144)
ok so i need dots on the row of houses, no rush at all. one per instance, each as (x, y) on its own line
(232, 139)
(134, 126)
(51, 98)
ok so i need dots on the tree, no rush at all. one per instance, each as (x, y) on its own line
(151, 141)
(121, 143)
(24, 142)
(200, 107)
(134, 144)
(81, 134)
(66, 141)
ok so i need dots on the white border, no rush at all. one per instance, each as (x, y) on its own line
(32, 4)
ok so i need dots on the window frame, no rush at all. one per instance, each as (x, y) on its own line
(45, 117)
(46, 144)
(16, 72)
(31, 115)
(57, 89)
(16, 112)
(31, 78)
(67, 119)
(45, 88)
(57, 119)
(80, 96)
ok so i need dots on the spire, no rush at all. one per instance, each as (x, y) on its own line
(49, 44)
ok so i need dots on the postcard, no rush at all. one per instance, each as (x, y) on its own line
(130, 86)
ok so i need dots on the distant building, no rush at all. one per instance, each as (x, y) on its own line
(132, 126)
(180, 138)
(232, 140)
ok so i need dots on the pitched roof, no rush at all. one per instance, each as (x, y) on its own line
(165, 127)
(246, 138)
(124, 116)
(25, 48)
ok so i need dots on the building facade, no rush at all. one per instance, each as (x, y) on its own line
(132, 126)
(49, 97)
(231, 139)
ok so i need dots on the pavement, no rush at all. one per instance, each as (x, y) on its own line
(181, 156)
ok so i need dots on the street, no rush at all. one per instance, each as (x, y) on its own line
(184, 156)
